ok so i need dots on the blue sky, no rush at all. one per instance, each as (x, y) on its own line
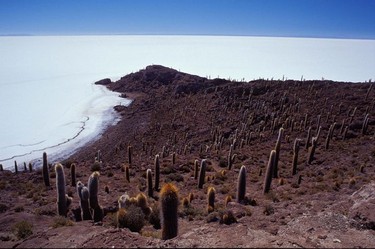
(301, 18)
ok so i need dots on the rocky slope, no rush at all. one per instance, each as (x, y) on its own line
(329, 202)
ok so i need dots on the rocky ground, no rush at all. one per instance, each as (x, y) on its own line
(329, 202)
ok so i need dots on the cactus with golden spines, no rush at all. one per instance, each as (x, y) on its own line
(45, 170)
(169, 211)
(268, 176)
(241, 184)
(211, 199)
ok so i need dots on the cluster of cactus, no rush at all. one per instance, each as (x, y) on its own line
(84, 196)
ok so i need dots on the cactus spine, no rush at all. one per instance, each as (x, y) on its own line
(45, 170)
(62, 208)
(73, 174)
(169, 215)
(150, 191)
(241, 184)
(295, 156)
(268, 176)
(157, 172)
(202, 173)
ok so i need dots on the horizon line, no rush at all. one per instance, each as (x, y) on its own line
(189, 34)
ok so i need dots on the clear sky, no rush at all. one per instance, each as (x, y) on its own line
(301, 18)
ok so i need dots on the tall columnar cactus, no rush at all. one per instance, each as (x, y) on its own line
(365, 124)
(196, 169)
(62, 208)
(73, 174)
(157, 173)
(30, 167)
(127, 173)
(93, 186)
(277, 149)
(15, 167)
(312, 150)
(202, 174)
(130, 151)
(1, 167)
(173, 158)
(150, 190)
(307, 145)
(241, 184)
(211, 199)
(45, 170)
(231, 157)
(318, 133)
(295, 156)
(268, 175)
(169, 208)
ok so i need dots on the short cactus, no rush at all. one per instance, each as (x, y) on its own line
(211, 199)
(241, 184)
(60, 186)
(169, 208)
